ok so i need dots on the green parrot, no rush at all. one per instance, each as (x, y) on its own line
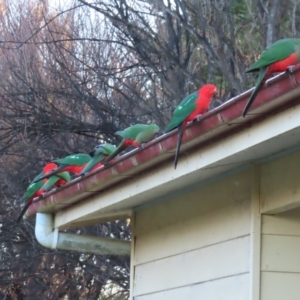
(57, 180)
(276, 58)
(36, 189)
(73, 163)
(99, 153)
(134, 135)
(188, 109)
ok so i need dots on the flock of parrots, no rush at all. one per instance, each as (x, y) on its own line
(277, 58)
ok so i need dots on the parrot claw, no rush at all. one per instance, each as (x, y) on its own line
(143, 145)
(290, 69)
(198, 118)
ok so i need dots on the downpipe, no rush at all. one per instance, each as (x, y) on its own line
(54, 239)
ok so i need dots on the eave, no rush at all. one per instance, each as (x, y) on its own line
(221, 142)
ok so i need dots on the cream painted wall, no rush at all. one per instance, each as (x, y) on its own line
(280, 258)
(195, 244)
(280, 188)
(213, 243)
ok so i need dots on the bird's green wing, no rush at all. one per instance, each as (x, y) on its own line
(277, 51)
(64, 175)
(140, 133)
(147, 134)
(100, 153)
(50, 183)
(182, 111)
(132, 131)
(53, 179)
(118, 150)
(105, 149)
(92, 163)
(108, 149)
(74, 159)
(31, 190)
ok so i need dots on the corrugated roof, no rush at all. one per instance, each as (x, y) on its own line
(281, 92)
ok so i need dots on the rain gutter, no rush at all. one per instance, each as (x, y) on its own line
(280, 93)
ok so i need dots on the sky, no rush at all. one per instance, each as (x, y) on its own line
(56, 4)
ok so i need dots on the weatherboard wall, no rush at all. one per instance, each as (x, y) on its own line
(215, 242)
(280, 262)
(280, 240)
(195, 243)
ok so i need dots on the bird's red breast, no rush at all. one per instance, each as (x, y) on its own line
(282, 65)
(202, 103)
(60, 182)
(74, 169)
(129, 142)
(49, 167)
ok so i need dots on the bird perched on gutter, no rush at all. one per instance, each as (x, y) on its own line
(135, 136)
(73, 163)
(189, 108)
(39, 186)
(99, 154)
(276, 58)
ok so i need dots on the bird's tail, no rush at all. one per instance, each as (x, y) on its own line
(54, 172)
(53, 181)
(114, 154)
(92, 163)
(50, 183)
(23, 211)
(260, 82)
(181, 128)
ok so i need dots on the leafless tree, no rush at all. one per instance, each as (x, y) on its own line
(71, 77)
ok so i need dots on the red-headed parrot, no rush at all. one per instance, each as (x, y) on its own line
(74, 163)
(99, 153)
(188, 109)
(276, 58)
(134, 135)
(39, 187)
